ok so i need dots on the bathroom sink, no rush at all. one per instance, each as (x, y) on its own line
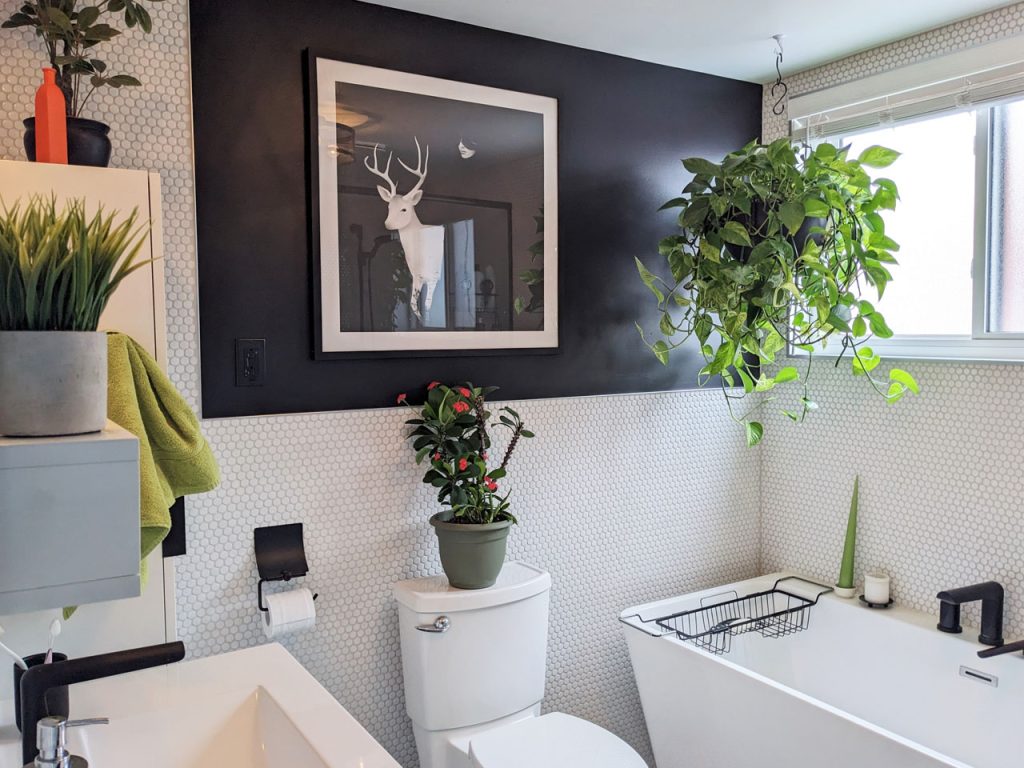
(257, 708)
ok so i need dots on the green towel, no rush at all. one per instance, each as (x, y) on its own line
(174, 458)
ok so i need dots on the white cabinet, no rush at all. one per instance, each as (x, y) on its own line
(137, 308)
(69, 520)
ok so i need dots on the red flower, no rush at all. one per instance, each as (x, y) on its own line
(465, 392)
(401, 398)
(463, 463)
(491, 485)
(433, 385)
(437, 457)
(461, 406)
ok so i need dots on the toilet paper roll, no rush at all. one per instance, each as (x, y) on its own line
(288, 612)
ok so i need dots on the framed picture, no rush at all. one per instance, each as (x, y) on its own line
(435, 214)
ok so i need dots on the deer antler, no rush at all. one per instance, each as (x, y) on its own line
(421, 166)
(386, 173)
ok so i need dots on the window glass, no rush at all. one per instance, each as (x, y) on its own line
(931, 293)
(1006, 226)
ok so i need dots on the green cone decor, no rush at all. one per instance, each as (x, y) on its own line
(845, 582)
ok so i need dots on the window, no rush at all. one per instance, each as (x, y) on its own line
(958, 291)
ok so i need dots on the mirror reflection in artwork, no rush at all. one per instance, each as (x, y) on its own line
(432, 226)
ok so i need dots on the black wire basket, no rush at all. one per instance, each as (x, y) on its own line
(774, 612)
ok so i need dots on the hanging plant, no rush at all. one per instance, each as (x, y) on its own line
(778, 251)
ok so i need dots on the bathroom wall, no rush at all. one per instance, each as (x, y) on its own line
(941, 474)
(624, 498)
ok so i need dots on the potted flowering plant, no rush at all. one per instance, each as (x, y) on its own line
(450, 433)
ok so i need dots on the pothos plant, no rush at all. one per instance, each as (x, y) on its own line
(70, 30)
(450, 432)
(779, 248)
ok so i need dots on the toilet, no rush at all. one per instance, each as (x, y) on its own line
(473, 663)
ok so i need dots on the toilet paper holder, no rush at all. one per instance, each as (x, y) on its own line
(280, 556)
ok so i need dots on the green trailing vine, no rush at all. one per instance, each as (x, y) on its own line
(778, 250)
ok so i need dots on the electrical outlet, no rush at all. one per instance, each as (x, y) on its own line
(250, 362)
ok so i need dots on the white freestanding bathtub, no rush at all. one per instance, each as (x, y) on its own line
(857, 688)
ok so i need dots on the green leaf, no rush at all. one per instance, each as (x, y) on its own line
(735, 233)
(879, 327)
(699, 165)
(904, 378)
(755, 431)
(792, 215)
(57, 17)
(895, 393)
(118, 81)
(649, 280)
(661, 350)
(815, 208)
(789, 373)
(877, 156)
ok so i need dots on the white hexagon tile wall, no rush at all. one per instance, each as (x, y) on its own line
(942, 474)
(625, 499)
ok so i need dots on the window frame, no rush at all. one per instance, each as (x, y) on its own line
(982, 345)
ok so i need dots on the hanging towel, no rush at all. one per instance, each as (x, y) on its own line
(174, 458)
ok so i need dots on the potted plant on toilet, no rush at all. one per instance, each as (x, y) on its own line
(70, 31)
(450, 432)
(58, 268)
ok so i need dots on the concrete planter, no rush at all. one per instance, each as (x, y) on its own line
(52, 382)
(471, 555)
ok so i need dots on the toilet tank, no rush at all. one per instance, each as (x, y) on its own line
(489, 662)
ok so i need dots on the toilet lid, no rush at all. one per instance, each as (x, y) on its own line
(555, 740)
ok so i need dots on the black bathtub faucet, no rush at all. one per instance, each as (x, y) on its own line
(991, 595)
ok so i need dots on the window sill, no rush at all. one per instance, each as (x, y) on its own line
(942, 348)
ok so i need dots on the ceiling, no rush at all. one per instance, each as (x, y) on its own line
(720, 37)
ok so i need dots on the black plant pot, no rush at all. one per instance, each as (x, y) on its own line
(88, 143)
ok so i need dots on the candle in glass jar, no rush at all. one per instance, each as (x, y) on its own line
(876, 588)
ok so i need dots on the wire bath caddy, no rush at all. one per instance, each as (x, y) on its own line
(774, 612)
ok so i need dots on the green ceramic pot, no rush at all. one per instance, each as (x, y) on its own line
(471, 555)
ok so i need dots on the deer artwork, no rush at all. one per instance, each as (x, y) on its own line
(423, 244)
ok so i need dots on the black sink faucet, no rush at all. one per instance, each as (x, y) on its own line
(991, 595)
(39, 679)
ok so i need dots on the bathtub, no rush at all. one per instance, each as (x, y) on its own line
(857, 688)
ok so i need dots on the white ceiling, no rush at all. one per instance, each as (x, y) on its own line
(731, 38)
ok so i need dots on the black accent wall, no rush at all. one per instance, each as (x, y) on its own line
(623, 127)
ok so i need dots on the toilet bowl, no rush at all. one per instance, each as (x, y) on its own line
(473, 664)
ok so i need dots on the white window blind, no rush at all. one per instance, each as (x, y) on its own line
(913, 93)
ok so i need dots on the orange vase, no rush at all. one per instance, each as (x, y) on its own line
(51, 121)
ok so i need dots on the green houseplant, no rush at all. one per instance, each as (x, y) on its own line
(450, 433)
(71, 30)
(778, 249)
(59, 267)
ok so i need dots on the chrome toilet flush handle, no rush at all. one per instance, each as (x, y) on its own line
(441, 624)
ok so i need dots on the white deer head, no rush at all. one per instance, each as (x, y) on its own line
(401, 208)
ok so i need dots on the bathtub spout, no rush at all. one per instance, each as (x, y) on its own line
(990, 593)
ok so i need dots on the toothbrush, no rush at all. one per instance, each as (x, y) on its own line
(17, 659)
(55, 628)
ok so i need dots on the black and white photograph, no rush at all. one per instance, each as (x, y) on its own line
(436, 226)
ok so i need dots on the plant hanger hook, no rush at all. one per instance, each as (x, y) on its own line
(779, 87)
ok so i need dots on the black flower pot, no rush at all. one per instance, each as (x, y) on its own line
(88, 143)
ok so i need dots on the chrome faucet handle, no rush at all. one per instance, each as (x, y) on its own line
(51, 735)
